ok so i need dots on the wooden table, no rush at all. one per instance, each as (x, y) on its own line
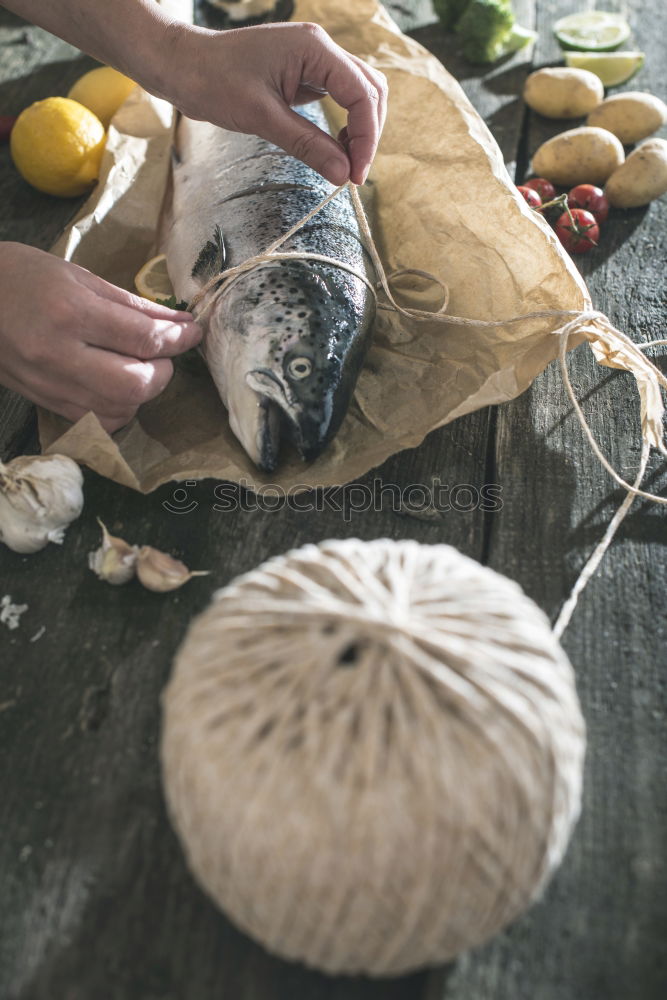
(96, 902)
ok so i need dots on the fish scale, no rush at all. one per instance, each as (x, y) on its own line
(286, 342)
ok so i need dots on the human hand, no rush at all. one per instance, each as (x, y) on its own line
(72, 342)
(247, 80)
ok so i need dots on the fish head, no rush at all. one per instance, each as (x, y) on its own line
(295, 337)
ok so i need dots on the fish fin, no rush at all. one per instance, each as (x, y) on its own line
(212, 257)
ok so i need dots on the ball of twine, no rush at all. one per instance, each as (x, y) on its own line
(372, 753)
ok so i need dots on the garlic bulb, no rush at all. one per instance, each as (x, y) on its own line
(115, 561)
(39, 496)
(161, 572)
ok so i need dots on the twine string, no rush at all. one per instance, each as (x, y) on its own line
(621, 351)
(595, 558)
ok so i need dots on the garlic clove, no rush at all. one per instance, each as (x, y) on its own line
(160, 572)
(39, 496)
(10, 614)
(115, 560)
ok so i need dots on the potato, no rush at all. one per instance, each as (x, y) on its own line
(641, 178)
(563, 93)
(579, 156)
(630, 116)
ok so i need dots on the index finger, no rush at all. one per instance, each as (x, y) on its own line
(107, 291)
(135, 333)
(363, 101)
(379, 80)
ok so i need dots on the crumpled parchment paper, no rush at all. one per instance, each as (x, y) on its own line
(444, 203)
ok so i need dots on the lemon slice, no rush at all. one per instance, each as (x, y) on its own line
(612, 67)
(592, 31)
(152, 281)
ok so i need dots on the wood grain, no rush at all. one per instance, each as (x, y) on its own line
(601, 929)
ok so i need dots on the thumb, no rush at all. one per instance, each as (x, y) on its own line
(308, 143)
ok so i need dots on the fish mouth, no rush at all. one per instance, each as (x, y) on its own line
(281, 414)
(272, 401)
(267, 436)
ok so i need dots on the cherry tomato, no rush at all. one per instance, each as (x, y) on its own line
(544, 188)
(578, 234)
(6, 126)
(592, 199)
(531, 196)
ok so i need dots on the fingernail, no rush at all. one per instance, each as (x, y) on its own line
(336, 170)
(175, 333)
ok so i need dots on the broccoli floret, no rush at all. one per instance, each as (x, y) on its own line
(449, 11)
(484, 27)
(518, 38)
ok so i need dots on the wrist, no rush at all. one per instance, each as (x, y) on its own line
(171, 65)
(159, 53)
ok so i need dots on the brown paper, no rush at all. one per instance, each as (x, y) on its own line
(444, 203)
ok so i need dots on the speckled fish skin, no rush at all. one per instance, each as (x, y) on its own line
(286, 343)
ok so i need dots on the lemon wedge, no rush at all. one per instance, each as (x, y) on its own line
(152, 281)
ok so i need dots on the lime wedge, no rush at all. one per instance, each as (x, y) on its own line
(612, 67)
(592, 31)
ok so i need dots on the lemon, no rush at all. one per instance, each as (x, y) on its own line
(56, 145)
(592, 31)
(152, 281)
(102, 90)
(611, 67)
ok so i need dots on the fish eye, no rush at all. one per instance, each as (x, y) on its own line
(300, 367)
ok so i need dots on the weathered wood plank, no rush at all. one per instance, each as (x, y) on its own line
(88, 861)
(601, 929)
(18, 424)
(89, 864)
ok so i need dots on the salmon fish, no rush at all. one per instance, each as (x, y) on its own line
(286, 342)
